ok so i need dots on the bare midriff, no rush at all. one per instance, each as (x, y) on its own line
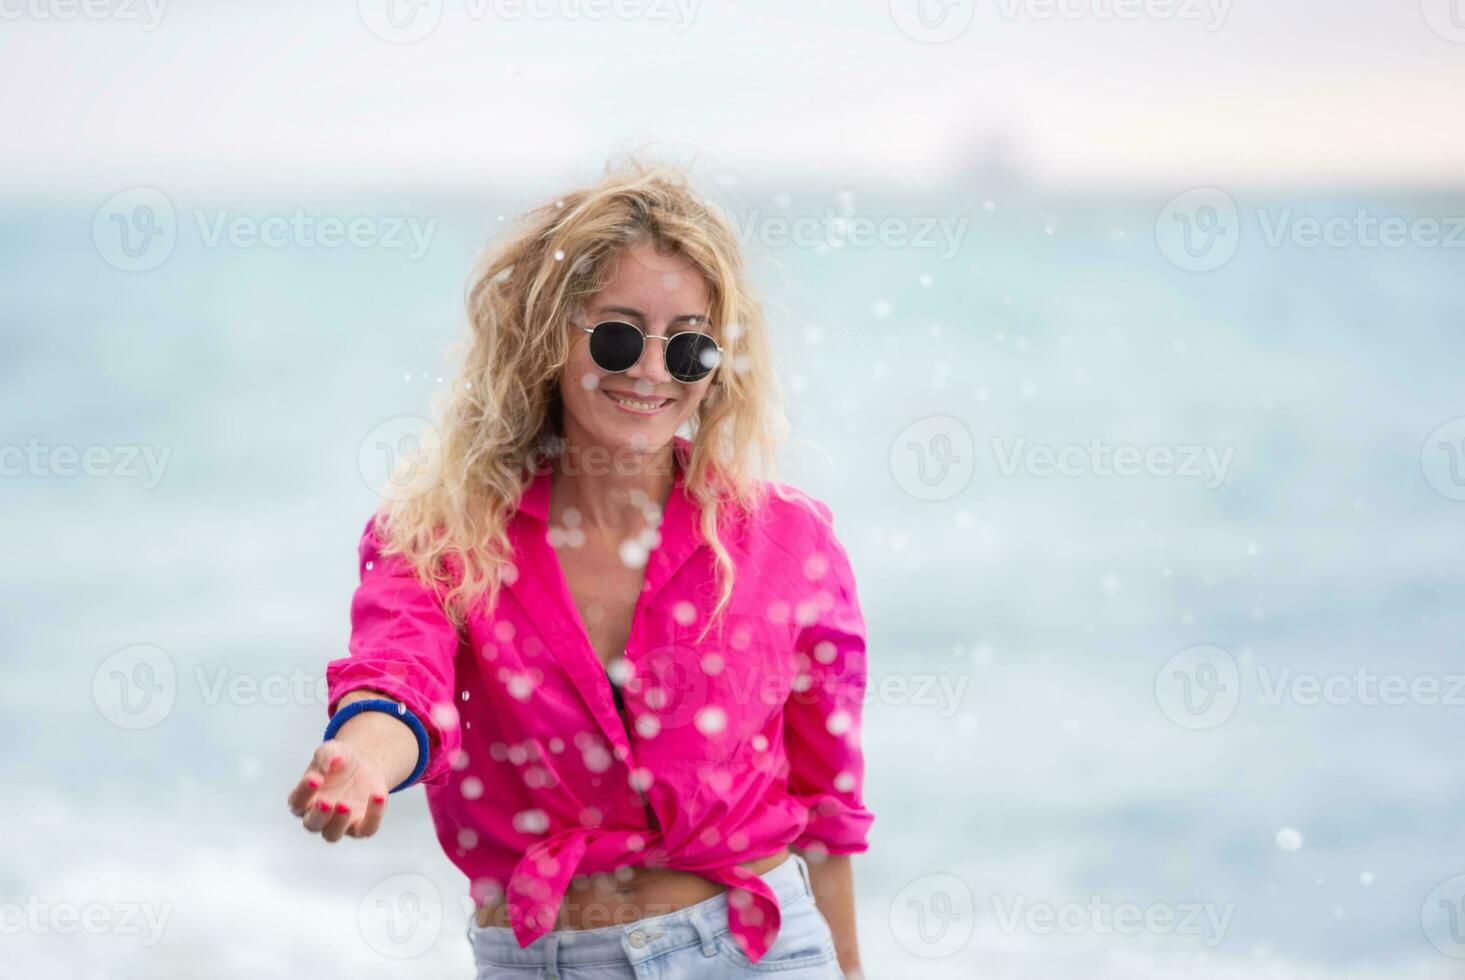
(628, 895)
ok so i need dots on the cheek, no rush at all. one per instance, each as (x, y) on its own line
(692, 398)
(581, 379)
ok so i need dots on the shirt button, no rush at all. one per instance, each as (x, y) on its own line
(637, 939)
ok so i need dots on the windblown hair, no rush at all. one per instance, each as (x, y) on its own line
(503, 415)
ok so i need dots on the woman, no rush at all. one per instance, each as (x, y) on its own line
(628, 670)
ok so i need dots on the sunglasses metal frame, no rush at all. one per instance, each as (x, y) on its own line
(666, 340)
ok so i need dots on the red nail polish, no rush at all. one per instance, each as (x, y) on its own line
(325, 807)
(378, 798)
(342, 808)
(313, 783)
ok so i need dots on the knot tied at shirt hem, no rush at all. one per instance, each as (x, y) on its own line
(540, 879)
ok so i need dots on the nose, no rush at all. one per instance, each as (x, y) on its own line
(649, 371)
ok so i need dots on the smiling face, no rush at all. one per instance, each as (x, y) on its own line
(641, 409)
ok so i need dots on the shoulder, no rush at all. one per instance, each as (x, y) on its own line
(791, 515)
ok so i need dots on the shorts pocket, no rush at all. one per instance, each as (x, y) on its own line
(804, 943)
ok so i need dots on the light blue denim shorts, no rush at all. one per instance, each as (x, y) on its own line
(691, 942)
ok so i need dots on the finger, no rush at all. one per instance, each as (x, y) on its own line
(319, 815)
(304, 791)
(337, 824)
(329, 759)
(372, 819)
(315, 776)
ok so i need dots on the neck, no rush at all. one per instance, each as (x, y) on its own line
(612, 488)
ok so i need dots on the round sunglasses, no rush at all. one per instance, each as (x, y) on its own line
(616, 346)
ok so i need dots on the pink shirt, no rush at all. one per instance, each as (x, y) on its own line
(739, 749)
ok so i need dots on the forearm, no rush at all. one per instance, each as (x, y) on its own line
(834, 892)
(378, 736)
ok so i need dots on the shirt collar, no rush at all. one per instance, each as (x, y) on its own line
(535, 499)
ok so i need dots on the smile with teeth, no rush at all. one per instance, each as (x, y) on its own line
(638, 404)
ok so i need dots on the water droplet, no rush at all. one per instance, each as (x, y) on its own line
(633, 553)
(711, 720)
(531, 821)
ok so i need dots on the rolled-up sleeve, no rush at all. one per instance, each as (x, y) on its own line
(403, 645)
(823, 714)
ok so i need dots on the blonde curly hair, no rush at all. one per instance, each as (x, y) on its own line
(503, 414)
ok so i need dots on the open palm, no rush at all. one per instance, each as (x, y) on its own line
(341, 793)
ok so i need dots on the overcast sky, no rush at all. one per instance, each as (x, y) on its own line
(275, 92)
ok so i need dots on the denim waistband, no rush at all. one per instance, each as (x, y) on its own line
(636, 942)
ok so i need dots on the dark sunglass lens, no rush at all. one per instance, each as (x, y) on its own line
(615, 346)
(691, 356)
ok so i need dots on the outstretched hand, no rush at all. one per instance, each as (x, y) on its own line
(341, 794)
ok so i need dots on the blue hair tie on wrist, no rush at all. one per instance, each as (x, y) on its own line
(392, 708)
